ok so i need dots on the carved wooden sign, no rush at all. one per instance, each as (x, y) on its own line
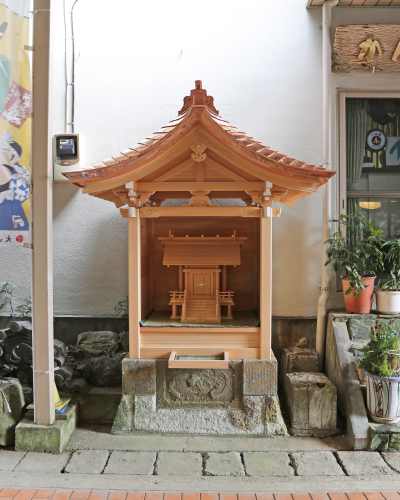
(366, 46)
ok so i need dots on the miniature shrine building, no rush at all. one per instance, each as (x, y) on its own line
(198, 195)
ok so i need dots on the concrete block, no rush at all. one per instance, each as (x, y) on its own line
(271, 463)
(39, 462)
(360, 328)
(359, 463)
(223, 464)
(11, 396)
(260, 377)
(179, 464)
(393, 460)
(87, 462)
(138, 376)
(10, 459)
(46, 438)
(312, 402)
(98, 406)
(297, 359)
(319, 463)
(131, 462)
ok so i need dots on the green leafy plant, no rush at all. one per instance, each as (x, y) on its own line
(381, 355)
(122, 308)
(392, 261)
(25, 308)
(355, 248)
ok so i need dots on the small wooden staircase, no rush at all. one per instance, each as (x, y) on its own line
(201, 311)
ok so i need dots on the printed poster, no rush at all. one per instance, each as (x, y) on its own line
(15, 123)
(393, 152)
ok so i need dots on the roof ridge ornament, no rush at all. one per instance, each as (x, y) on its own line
(198, 97)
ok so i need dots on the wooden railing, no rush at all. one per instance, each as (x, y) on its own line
(177, 296)
(226, 297)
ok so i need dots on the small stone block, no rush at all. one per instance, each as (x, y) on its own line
(359, 463)
(179, 464)
(312, 402)
(272, 463)
(37, 463)
(297, 359)
(393, 460)
(224, 464)
(131, 462)
(260, 377)
(320, 463)
(87, 462)
(138, 376)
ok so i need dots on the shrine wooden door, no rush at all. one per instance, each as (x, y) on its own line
(201, 284)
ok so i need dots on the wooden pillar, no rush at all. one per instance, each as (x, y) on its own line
(223, 284)
(42, 187)
(265, 283)
(135, 288)
(181, 278)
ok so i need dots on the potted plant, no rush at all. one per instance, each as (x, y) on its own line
(355, 248)
(388, 293)
(381, 366)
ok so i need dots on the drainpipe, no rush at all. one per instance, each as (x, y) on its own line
(326, 142)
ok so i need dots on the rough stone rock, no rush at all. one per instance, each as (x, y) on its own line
(359, 463)
(319, 463)
(260, 377)
(393, 460)
(312, 402)
(179, 464)
(394, 442)
(104, 371)
(131, 462)
(379, 442)
(360, 329)
(123, 340)
(271, 463)
(87, 462)
(224, 464)
(298, 359)
(11, 404)
(274, 423)
(103, 341)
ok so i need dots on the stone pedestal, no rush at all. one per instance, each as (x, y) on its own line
(11, 404)
(312, 402)
(240, 400)
(298, 359)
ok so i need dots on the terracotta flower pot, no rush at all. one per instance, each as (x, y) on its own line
(362, 304)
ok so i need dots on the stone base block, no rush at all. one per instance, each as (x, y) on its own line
(11, 398)
(297, 359)
(312, 404)
(46, 438)
(98, 406)
(138, 376)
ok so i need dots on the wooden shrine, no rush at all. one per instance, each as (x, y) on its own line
(201, 265)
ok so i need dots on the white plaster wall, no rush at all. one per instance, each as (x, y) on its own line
(262, 63)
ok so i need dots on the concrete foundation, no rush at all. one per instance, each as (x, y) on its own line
(46, 438)
(240, 400)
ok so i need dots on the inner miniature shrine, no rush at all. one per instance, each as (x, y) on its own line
(199, 197)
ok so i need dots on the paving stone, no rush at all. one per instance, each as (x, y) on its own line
(39, 462)
(87, 462)
(393, 460)
(224, 464)
(131, 462)
(179, 464)
(273, 463)
(359, 463)
(320, 463)
(10, 459)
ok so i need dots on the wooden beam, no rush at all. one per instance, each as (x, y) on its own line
(175, 171)
(265, 283)
(134, 283)
(185, 211)
(224, 170)
(42, 182)
(201, 186)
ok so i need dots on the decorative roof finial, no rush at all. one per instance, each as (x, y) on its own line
(198, 97)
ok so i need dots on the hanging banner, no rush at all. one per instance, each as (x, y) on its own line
(15, 123)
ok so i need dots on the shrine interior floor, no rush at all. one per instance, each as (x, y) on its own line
(243, 319)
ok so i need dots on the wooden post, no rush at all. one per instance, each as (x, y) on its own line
(42, 187)
(265, 283)
(135, 288)
(181, 278)
(223, 285)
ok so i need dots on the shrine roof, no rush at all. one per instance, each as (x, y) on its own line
(199, 107)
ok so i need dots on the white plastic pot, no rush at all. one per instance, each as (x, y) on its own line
(388, 302)
(383, 398)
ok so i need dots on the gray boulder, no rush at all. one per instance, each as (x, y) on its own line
(104, 371)
(100, 341)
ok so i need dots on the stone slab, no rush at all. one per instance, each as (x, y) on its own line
(223, 464)
(179, 464)
(393, 460)
(320, 463)
(359, 463)
(46, 438)
(131, 462)
(260, 377)
(43, 462)
(273, 463)
(297, 359)
(87, 462)
(360, 328)
(138, 376)
(10, 459)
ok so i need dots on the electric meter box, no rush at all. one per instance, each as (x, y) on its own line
(68, 153)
